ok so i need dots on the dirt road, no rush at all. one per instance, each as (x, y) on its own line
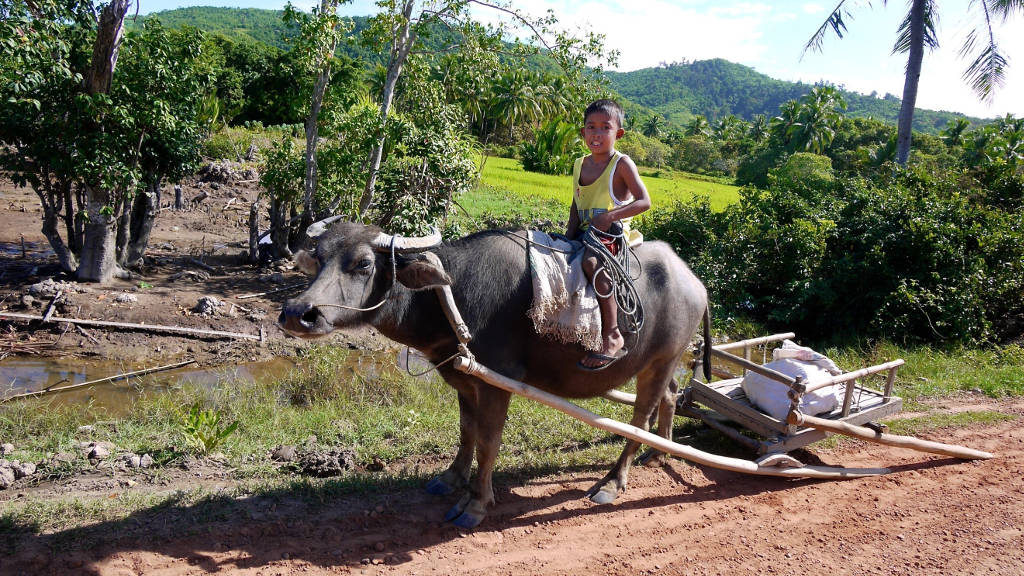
(932, 515)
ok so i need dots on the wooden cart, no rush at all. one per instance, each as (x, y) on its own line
(722, 403)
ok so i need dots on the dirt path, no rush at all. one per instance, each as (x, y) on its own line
(932, 515)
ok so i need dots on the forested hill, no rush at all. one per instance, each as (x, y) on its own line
(717, 88)
(712, 88)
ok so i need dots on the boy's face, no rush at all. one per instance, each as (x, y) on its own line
(600, 131)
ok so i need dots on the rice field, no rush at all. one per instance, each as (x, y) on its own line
(504, 185)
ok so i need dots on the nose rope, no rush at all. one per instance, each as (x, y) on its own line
(394, 276)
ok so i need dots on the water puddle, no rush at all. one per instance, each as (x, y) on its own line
(19, 375)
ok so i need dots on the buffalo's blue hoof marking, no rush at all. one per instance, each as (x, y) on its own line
(603, 497)
(453, 513)
(468, 520)
(439, 487)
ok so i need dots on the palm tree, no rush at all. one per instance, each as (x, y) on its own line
(984, 74)
(954, 132)
(758, 130)
(653, 126)
(698, 126)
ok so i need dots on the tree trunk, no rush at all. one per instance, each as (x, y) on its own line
(399, 54)
(312, 126)
(913, 76)
(254, 233)
(50, 229)
(279, 229)
(179, 203)
(98, 258)
(143, 217)
(122, 233)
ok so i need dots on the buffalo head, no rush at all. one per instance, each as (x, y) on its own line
(355, 269)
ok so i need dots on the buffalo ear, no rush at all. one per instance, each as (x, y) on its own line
(306, 263)
(422, 271)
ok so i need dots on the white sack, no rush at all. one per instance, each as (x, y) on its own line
(772, 396)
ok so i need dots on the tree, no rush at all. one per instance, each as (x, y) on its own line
(93, 144)
(653, 126)
(953, 135)
(985, 72)
(400, 25)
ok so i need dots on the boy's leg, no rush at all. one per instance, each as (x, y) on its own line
(611, 337)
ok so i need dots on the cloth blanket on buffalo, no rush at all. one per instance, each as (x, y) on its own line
(771, 396)
(564, 303)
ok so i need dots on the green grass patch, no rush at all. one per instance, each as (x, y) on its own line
(505, 189)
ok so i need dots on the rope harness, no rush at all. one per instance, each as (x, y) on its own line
(394, 278)
(617, 270)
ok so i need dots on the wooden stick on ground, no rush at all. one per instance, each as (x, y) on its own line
(474, 368)
(870, 435)
(146, 327)
(99, 381)
(53, 302)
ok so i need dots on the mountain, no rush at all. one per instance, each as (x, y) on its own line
(717, 88)
(712, 88)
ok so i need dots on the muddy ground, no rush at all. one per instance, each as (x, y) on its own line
(932, 515)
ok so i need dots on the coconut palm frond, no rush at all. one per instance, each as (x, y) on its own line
(833, 22)
(987, 70)
(931, 39)
(986, 73)
(1004, 8)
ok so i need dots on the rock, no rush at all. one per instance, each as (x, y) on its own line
(126, 298)
(6, 448)
(24, 469)
(27, 301)
(324, 462)
(207, 306)
(6, 478)
(48, 288)
(283, 453)
(85, 430)
(131, 460)
(146, 461)
(97, 450)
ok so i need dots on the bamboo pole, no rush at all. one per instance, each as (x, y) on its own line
(98, 381)
(887, 439)
(472, 367)
(148, 327)
(847, 376)
(753, 341)
(755, 367)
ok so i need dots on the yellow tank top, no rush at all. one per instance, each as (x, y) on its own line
(598, 197)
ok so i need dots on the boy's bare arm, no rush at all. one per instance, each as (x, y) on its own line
(626, 173)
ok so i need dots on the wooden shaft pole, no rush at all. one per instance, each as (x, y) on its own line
(754, 341)
(755, 367)
(887, 439)
(847, 376)
(472, 367)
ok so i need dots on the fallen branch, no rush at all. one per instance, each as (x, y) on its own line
(292, 287)
(99, 381)
(201, 264)
(86, 334)
(147, 327)
(53, 302)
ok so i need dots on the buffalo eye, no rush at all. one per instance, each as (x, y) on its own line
(364, 265)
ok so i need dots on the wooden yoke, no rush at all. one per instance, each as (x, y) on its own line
(451, 311)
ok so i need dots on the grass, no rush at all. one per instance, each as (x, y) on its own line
(506, 188)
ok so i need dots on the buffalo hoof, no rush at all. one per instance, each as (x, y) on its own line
(468, 513)
(606, 495)
(652, 459)
(438, 487)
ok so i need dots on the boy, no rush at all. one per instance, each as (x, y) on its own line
(606, 190)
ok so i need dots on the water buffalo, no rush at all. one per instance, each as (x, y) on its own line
(358, 267)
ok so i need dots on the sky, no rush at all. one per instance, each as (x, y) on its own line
(768, 36)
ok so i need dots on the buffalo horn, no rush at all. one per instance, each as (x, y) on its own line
(403, 244)
(316, 229)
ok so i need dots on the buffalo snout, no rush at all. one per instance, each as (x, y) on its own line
(303, 319)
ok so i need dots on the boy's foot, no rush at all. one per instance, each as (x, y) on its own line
(596, 361)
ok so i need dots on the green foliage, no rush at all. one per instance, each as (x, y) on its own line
(644, 150)
(803, 170)
(909, 258)
(555, 148)
(203, 429)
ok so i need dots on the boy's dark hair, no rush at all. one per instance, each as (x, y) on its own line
(609, 107)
